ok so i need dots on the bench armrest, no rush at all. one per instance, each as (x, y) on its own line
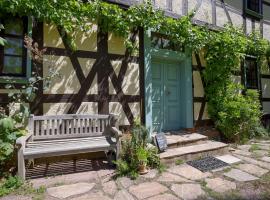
(117, 133)
(22, 140)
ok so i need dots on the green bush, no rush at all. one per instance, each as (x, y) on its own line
(135, 150)
(8, 135)
(238, 116)
(9, 184)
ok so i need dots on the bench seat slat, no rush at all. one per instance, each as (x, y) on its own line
(55, 143)
(53, 149)
(64, 140)
(64, 145)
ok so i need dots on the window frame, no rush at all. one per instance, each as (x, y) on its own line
(252, 13)
(24, 55)
(244, 68)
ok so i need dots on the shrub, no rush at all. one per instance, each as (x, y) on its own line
(136, 150)
(8, 135)
(238, 116)
(10, 184)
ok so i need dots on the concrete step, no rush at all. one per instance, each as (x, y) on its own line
(175, 141)
(187, 153)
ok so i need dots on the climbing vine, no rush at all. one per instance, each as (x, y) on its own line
(236, 111)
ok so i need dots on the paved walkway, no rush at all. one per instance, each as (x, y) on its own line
(247, 177)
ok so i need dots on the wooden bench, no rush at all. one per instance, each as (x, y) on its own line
(68, 134)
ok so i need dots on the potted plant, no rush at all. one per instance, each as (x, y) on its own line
(142, 160)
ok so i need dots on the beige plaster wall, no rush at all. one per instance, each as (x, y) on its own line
(68, 83)
(265, 87)
(266, 31)
(266, 107)
(62, 108)
(131, 82)
(177, 6)
(237, 19)
(196, 110)
(198, 86)
(221, 16)
(116, 108)
(204, 13)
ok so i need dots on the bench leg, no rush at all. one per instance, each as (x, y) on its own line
(21, 165)
(118, 149)
(111, 156)
(31, 163)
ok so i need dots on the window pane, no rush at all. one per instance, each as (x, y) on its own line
(14, 46)
(251, 74)
(253, 5)
(12, 65)
(14, 26)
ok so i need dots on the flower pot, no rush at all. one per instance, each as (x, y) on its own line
(143, 169)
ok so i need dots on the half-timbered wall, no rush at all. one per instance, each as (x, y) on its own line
(100, 76)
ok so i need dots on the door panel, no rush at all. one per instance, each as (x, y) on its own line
(157, 96)
(172, 96)
(166, 96)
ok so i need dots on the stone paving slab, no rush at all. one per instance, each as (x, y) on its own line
(245, 147)
(123, 195)
(109, 187)
(265, 158)
(189, 172)
(65, 191)
(229, 159)
(241, 152)
(188, 191)
(263, 146)
(147, 189)
(169, 177)
(239, 175)
(16, 197)
(125, 182)
(90, 176)
(220, 185)
(97, 195)
(260, 152)
(252, 169)
(163, 197)
(255, 162)
(151, 174)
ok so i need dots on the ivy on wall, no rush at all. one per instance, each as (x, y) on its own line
(235, 114)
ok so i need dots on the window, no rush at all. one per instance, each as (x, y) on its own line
(251, 73)
(13, 54)
(253, 8)
(160, 41)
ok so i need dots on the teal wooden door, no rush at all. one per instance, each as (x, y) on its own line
(166, 98)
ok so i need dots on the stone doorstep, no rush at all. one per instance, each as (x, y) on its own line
(194, 151)
(185, 140)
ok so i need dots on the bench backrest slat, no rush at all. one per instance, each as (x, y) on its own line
(67, 126)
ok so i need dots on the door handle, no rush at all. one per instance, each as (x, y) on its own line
(168, 92)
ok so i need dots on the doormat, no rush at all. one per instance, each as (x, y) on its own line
(207, 164)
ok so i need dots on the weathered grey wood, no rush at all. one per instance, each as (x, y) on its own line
(21, 164)
(67, 134)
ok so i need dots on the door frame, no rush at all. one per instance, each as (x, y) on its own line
(186, 73)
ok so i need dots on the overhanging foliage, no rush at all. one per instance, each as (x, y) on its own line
(224, 49)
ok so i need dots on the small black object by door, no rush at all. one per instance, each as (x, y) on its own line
(161, 142)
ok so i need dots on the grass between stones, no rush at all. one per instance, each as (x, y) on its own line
(254, 147)
(232, 195)
(179, 162)
(15, 186)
